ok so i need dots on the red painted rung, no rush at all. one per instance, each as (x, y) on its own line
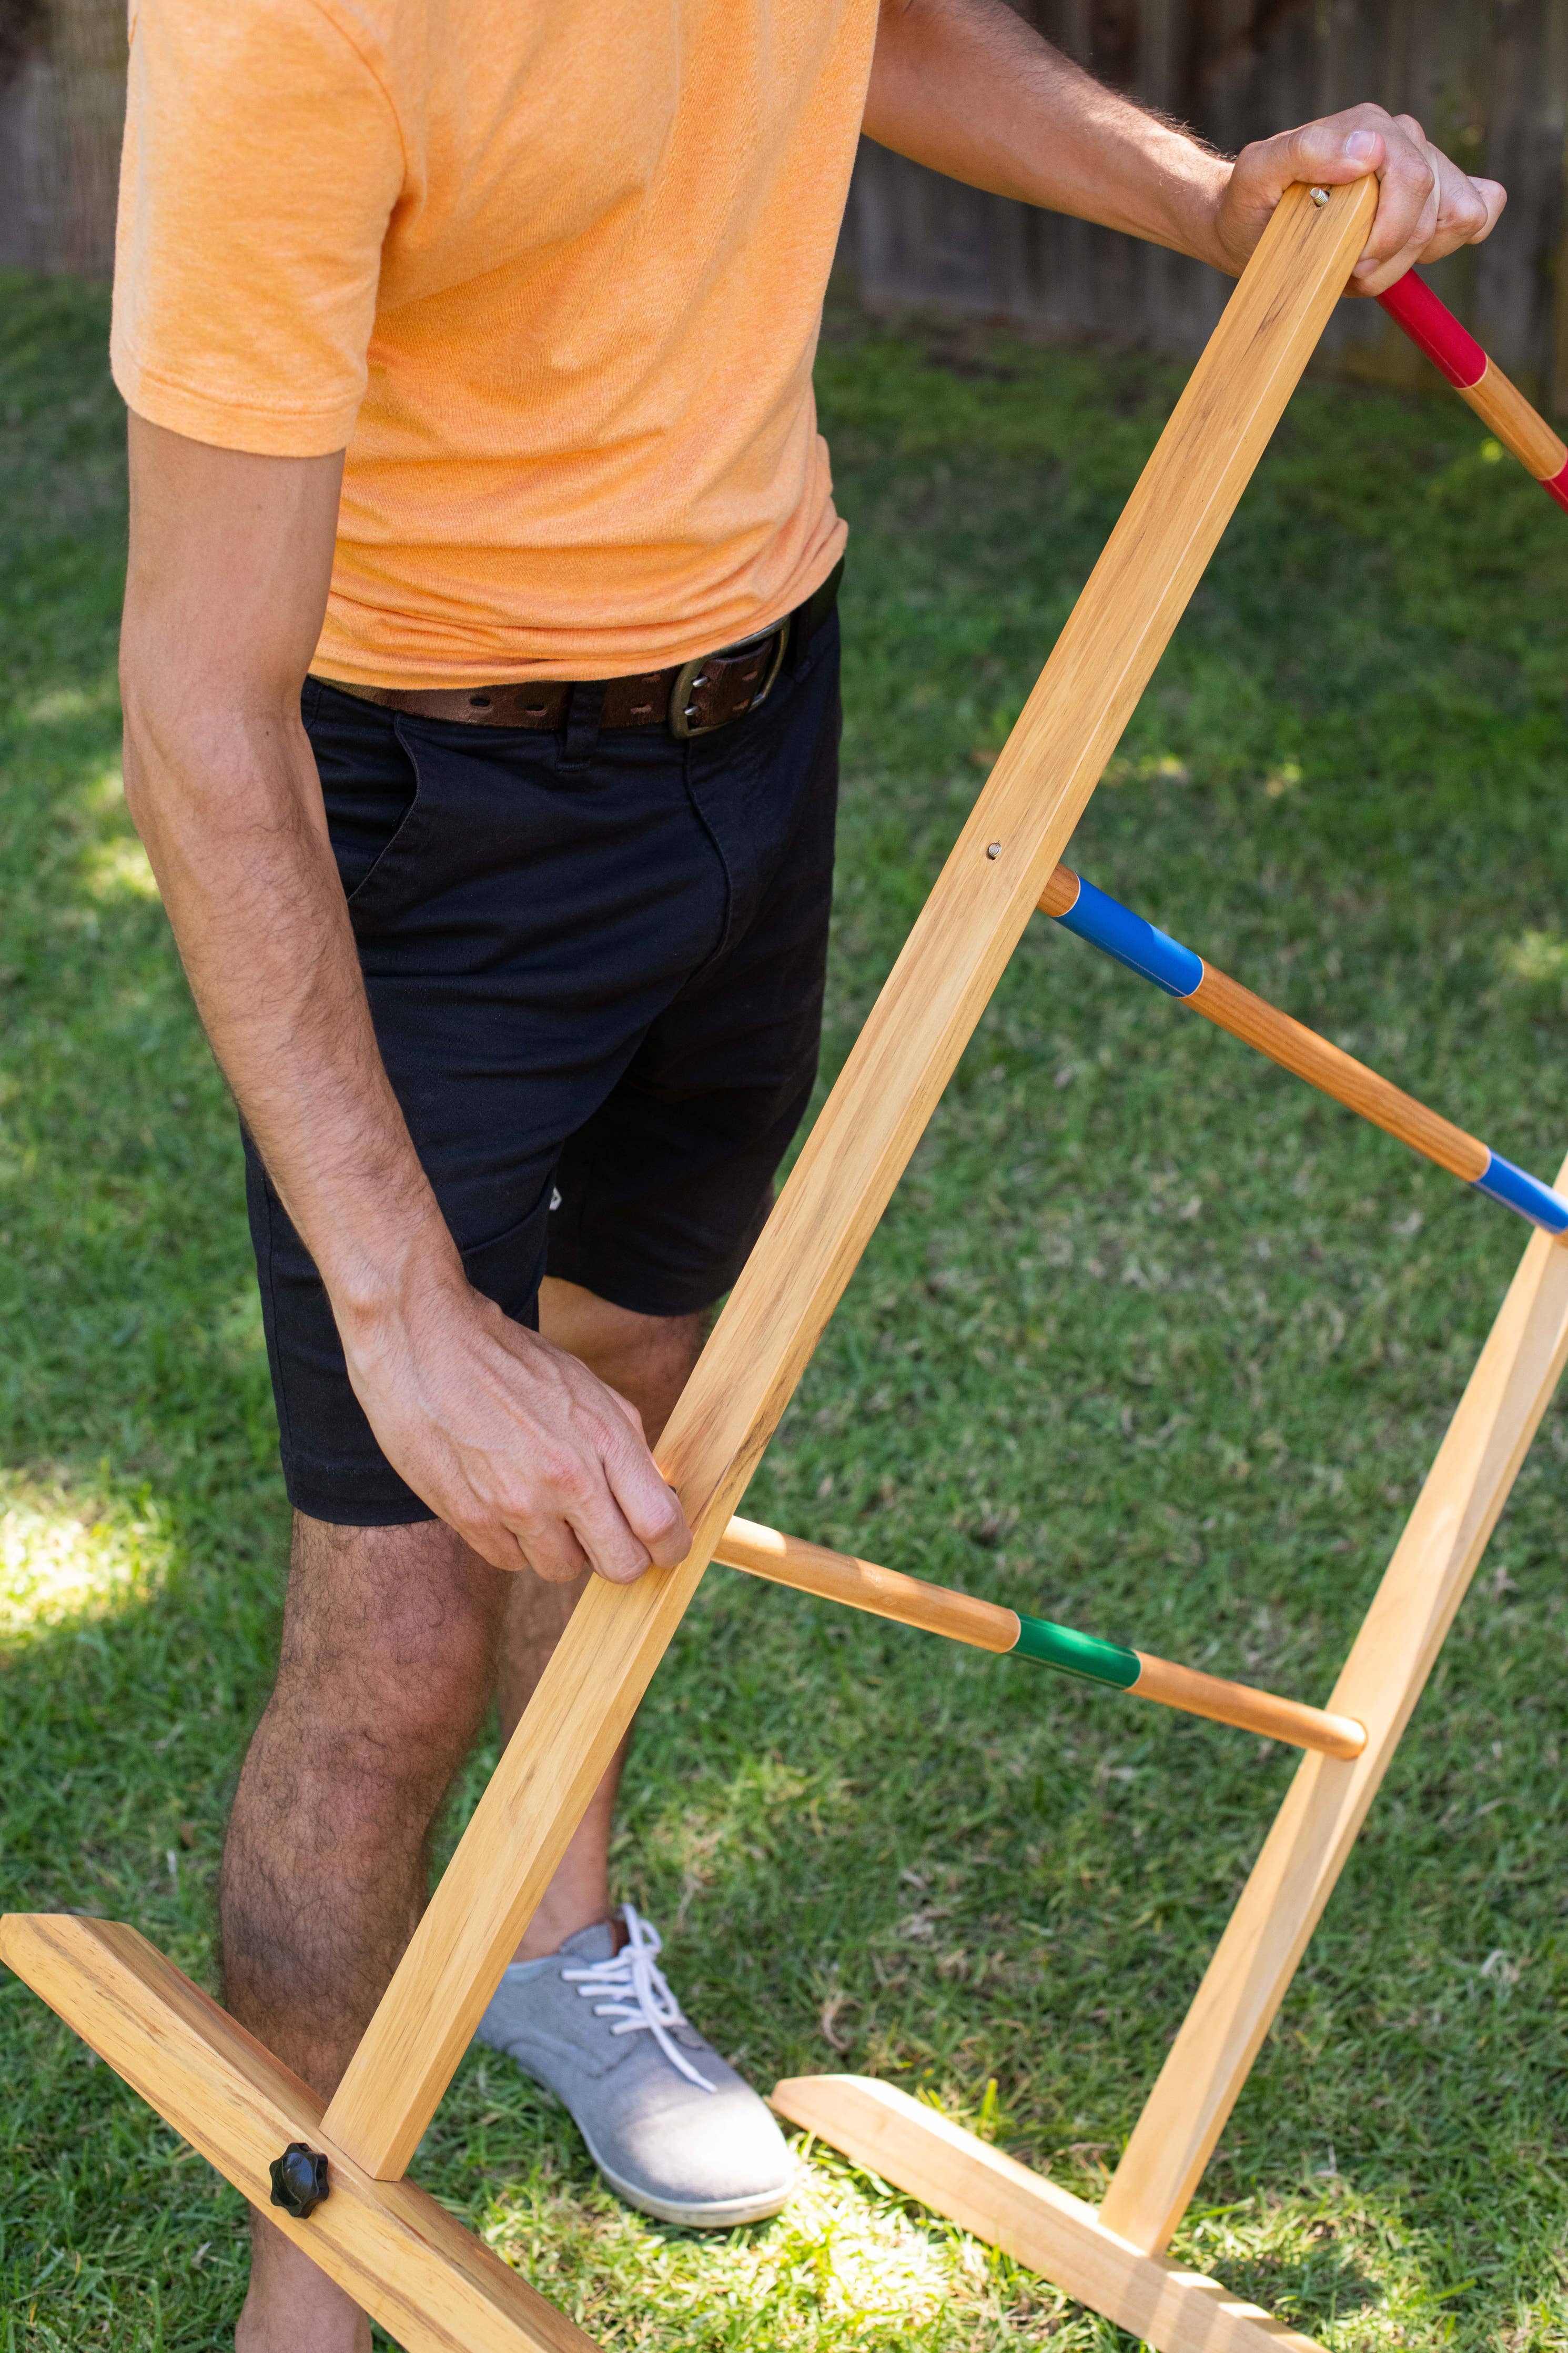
(1433, 328)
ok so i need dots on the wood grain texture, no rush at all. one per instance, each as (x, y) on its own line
(1028, 2217)
(938, 1609)
(430, 2283)
(1230, 1006)
(1060, 893)
(1290, 1720)
(852, 1160)
(1505, 412)
(862, 1585)
(1436, 1556)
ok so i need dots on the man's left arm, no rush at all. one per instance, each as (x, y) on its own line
(968, 88)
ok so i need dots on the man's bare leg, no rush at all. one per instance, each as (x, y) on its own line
(383, 1677)
(388, 1658)
(648, 1358)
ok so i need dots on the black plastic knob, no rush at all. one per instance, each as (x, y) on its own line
(298, 2179)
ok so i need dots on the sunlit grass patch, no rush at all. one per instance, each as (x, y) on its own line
(66, 1555)
(1539, 958)
(848, 2263)
(118, 866)
(62, 704)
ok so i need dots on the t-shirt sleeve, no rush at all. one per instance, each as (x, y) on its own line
(262, 160)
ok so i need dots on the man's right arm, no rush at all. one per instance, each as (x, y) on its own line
(508, 1438)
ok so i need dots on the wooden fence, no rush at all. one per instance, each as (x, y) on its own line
(62, 102)
(1489, 78)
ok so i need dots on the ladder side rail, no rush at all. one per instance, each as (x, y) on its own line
(1327, 1802)
(845, 1176)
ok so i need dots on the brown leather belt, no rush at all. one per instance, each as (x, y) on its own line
(692, 698)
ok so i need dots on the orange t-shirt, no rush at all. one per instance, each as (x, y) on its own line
(552, 272)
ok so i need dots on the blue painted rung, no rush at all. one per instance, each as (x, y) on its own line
(1118, 933)
(1114, 929)
(1516, 1188)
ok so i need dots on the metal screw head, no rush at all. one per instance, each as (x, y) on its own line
(1320, 197)
(995, 850)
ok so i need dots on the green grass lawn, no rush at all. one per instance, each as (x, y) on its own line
(1152, 1339)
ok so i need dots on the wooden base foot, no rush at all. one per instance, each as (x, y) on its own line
(1027, 2216)
(429, 2281)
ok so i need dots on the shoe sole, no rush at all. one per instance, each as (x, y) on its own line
(718, 2214)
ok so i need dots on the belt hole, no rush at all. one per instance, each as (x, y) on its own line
(642, 710)
(533, 711)
(478, 703)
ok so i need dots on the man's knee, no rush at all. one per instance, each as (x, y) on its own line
(389, 1646)
(648, 1358)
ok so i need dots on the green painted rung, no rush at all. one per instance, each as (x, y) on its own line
(1076, 1654)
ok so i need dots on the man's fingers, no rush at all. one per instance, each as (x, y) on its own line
(494, 1542)
(1426, 205)
(1332, 153)
(612, 1548)
(517, 1445)
(669, 1546)
(628, 1517)
(594, 1499)
(653, 1510)
(1427, 208)
(549, 1547)
(1408, 204)
(1467, 210)
(650, 1508)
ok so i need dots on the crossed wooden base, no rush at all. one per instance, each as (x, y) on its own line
(424, 2278)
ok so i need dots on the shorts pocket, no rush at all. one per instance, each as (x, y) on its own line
(369, 783)
(508, 1268)
(398, 869)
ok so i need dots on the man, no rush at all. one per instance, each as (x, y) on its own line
(488, 772)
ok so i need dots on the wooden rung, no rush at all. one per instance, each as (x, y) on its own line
(862, 1584)
(1477, 379)
(1498, 401)
(1332, 1071)
(938, 1609)
(430, 2283)
(1002, 2203)
(1118, 932)
(1320, 1730)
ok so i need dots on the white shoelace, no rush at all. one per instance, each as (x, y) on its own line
(639, 1994)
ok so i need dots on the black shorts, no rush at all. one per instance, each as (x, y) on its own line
(598, 989)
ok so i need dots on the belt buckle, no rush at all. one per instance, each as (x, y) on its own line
(690, 676)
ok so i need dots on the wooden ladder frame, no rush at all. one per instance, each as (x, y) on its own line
(426, 2279)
